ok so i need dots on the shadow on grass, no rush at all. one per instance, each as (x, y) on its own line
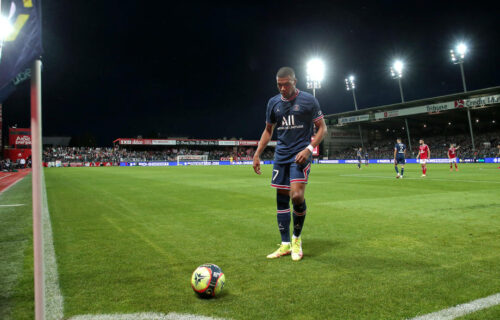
(318, 247)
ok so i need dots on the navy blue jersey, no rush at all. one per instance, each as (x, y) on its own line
(366, 155)
(294, 119)
(358, 154)
(400, 149)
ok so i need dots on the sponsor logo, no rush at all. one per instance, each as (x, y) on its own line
(23, 140)
(459, 103)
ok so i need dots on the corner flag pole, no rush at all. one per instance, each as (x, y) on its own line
(36, 157)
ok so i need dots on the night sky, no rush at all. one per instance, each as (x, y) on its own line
(206, 70)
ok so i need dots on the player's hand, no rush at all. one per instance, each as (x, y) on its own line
(302, 156)
(256, 164)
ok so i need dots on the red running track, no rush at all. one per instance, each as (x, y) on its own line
(8, 179)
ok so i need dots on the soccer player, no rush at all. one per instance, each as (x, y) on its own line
(399, 157)
(366, 158)
(358, 155)
(424, 153)
(293, 113)
(452, 156)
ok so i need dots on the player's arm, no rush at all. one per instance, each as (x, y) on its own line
(302, 156)
(428, 152)
(395, 151)
(264, 140)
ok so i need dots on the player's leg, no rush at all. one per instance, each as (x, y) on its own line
(396, 168)
(456, 166)
(402, 170)
(281, 182)
(299, 175)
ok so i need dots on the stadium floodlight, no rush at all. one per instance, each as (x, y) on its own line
(351, 86)
(458, 58)
(461, 50)
(397, 69)
(397, 73)
(349, 83)
(315, 74)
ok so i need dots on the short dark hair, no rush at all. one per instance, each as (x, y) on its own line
(284, 72)
(398, 139)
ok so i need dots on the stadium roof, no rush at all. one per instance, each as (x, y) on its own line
(332, 118)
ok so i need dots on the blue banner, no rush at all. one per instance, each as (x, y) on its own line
(24, 44)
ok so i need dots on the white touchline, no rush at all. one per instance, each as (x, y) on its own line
(12, 205)
(52, 293)
(6, 176)
(462, 309)
(143, 316)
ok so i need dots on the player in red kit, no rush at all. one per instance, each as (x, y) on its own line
(452, 156)
(424, 153)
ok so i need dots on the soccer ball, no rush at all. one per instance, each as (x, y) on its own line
(208, 280)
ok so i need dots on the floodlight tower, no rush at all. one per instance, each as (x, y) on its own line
(315, 74)
(350, 85)
(458, 58)
(397, 73)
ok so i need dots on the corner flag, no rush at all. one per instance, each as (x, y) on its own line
(24, 44)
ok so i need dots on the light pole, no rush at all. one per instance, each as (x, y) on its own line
(351, 86)
(315, 74)
(458, 58)
(397, 73)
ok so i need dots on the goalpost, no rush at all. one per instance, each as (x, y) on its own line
(192, 157)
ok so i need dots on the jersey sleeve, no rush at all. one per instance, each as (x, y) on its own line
(270, 116)
(317, 114)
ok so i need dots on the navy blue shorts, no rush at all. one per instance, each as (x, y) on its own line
(286, 173)
(400, 160)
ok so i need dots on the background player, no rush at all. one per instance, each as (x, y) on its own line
(399, 157)
(293, 113)
(366, 158)
(358, 155)
(452, 156)
(424, 153)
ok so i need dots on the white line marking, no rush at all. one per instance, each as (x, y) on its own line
(143, 316)
(11, 184)
(12, 205)
(6, 176)
(418, 178)
(52, 292)
(462, 309)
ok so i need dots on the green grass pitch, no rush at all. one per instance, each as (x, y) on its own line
(375, 247)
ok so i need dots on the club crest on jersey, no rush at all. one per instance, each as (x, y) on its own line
(296, 107)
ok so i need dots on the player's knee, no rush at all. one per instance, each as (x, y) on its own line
(297, 197)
